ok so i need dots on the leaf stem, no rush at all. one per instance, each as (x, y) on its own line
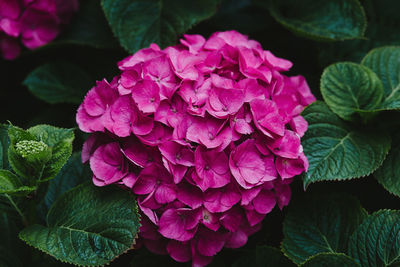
(24, 220)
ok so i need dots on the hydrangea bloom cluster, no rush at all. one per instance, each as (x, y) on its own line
(205, 133)
(35, 22)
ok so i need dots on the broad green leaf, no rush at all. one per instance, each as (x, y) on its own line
(88, 27)
(138, 23)
(348, 88)
(376, 242)
(10, 246)
(87, 226)
(60, 140)
(320, 223)
(388, 175)
(60, 82)
(29, 154)
(330, 20)
(4, 143)
(10, 184)
(263, 256)
(337, 150)
(330, 260)
(385, 62)
(383, 25)
(72, 174)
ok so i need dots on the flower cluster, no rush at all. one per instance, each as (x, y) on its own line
(36, 22)
(205, 133)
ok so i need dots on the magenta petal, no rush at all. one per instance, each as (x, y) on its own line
(177, 154)
(254, 217)
(190, 195)
(287, 146)
(45, 30)
(264, 202)
(173, 225)
(212, 167)
(107, 163)
(266, 117)
(146, 95)
(179, 251)
(9, 47)
(236, 239)
(283, 194)
(299, 125)
(165, 193)
(232, 219)
(194, 42)
(129, 180)
(249, 167)
(279, 64)
(158, 135)
(210, 242)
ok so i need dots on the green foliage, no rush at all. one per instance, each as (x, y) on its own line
(348, 88)
(72, 174)
(330, 260)
(337, 150)
(376, 242)
(385, 62)
(383, 24)
(89, 27)
(388, 175)
(60, 82)
(330, 20)
(10, 184)
(320, 223)
(87, 226)
(38, 153)
(263, 256)
(138, 23)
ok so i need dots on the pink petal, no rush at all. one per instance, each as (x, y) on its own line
(146, 95)
(179, 251)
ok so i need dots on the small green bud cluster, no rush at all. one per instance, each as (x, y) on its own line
(26, 148)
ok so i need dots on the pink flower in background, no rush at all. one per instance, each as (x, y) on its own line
(207, 134)
(32, 22)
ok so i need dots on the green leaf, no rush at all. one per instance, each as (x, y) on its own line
(331, 20)
(263, 256)
(376, 242)
(320, 223)
(88, 27)
(72, 174)
(339, 151)
(29, 154)
(10, 184)
(4, 143)
(385, 62)
(87, 226)
(60, 140)
(138, 23)
(330, 260)
(383, 25)
(388, 175)
(348, 88)
(60, 82)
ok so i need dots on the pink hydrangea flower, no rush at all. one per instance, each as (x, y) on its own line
(207, 134)
(35, 22)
